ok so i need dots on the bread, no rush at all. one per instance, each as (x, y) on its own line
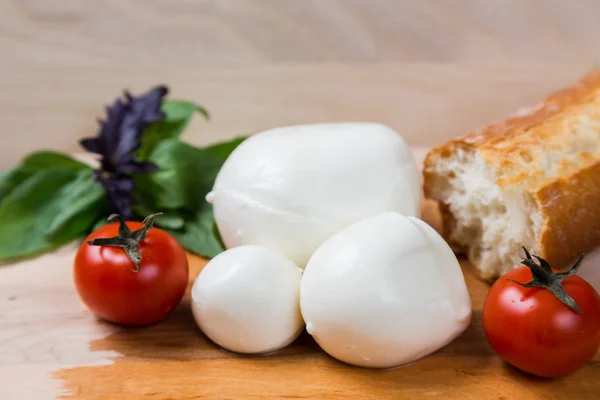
(531, 180)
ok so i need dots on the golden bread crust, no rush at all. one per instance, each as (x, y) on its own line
(550, 153)
(571, 207)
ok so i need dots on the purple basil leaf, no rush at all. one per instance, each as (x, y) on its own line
(92, 145)
(141, 167)
(141, 112)
(120, 193)
(120, 132)
(117, 141)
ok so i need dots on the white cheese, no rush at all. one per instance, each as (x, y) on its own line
(384, 292)
(246, 300)
(291, 188)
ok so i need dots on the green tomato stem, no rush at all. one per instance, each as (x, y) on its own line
(127, 239)
(544, 277)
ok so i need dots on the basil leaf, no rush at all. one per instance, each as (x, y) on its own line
(185, 175)
(82, 201)
(99, 223)
(35, 162)
(31, 208)
(224, 149)
(178, 188)
(170, 219)
(197, 235)
(180, 110)
(11, 179)
(51, 159)
(178, 115)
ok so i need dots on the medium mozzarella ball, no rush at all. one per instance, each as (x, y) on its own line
(384, 292)
(291, 188)
(246, 300)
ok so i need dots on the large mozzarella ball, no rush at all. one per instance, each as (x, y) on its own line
(384, 292)
(291, 188)
(246, 300)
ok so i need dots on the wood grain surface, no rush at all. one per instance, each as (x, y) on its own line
(430, 69)
(427, 68)
(200, 32)
(52, 107)
(44, 327)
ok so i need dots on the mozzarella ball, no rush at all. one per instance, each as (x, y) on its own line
(246, 300)
(291, 188)
(384, 292)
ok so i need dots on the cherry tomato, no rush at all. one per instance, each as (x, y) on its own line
(532, 329)
(108, 284)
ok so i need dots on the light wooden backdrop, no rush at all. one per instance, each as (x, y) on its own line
(431, 69)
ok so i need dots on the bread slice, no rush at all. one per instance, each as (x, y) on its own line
(531, 180)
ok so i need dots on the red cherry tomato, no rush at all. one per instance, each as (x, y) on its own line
(536, 332)
(108, 285)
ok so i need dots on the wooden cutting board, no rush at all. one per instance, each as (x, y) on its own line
(51, 346)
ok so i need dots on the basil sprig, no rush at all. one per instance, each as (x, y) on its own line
(51, 199)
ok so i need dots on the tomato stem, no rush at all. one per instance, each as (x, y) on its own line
(544, 277)
(127, 239)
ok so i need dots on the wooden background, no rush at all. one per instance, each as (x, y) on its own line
(430, 69)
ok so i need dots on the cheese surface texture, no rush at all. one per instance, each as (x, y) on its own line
(384, 292)
(291, 188)
(246, 300)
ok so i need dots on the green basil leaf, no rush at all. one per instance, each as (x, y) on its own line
(180, 110)
(170, 219)
(178, 115)
(28, 210)
(185, 175)
(79, 204)
(11, 179)
(179, 187)
(224, 149)
(51, 159)
(33, 163)
(197, 235)
(99, 223)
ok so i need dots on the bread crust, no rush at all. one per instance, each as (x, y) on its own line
(551, 153)
(571, 207)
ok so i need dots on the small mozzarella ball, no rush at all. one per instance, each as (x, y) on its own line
(246, 300)
(291, 188)
(384, 292)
